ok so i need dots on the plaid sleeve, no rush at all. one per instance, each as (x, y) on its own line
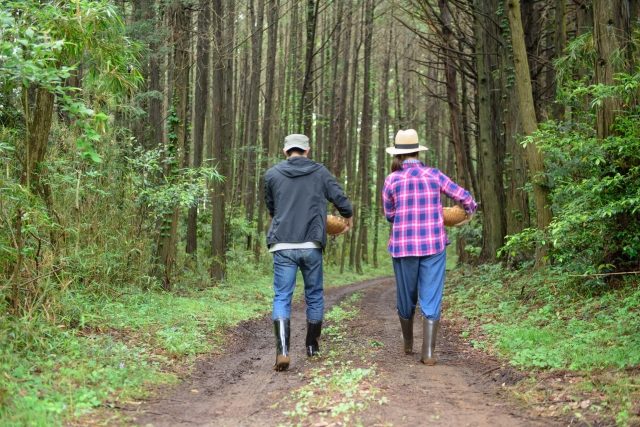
(457, 193)
(388, 201)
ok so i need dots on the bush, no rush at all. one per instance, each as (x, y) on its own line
(595, 183)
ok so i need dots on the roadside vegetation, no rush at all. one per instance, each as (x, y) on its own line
(110, 351)
(579, 349)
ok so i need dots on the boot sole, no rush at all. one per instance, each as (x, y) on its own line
(429, 362)
(282, 364)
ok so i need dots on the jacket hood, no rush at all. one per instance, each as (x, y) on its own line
(297, 166)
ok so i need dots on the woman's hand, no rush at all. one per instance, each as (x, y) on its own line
(466, 220)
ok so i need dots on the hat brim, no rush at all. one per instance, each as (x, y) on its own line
(394, 150)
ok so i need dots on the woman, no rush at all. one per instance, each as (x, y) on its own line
(411, 197)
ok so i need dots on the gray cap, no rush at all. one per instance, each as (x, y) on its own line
(296, 140)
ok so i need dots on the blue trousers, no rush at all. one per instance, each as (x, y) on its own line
(420, 278)
(285, 268)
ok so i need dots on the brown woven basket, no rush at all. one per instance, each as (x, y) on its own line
(453, 216)
(335, 225)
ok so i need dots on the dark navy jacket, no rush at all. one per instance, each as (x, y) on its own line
(296, 191)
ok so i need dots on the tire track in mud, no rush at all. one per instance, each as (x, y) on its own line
(239, 387)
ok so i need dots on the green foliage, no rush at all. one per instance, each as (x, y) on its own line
(539, 320)
(104, 347)
(42, 44)
(161, 192)
(595, 184)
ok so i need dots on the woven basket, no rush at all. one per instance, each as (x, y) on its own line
(453, 216)
(335, 225)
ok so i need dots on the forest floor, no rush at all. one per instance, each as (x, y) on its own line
(362, 377)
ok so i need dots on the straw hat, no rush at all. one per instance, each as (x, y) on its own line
(406, 142)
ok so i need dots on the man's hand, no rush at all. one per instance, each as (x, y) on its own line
(349, 226)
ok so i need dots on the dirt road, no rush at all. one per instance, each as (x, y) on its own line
(363, 378)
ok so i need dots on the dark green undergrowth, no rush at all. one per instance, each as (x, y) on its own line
(111, 348)
(541, 321)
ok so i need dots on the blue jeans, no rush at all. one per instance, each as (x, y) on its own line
(420, 278)
(285, 268)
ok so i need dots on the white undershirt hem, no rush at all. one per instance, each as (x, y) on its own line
(288, 246)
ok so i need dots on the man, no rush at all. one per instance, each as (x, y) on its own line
(295, 194)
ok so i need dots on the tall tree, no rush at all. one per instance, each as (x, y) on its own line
(305, 115)
(383, 138)
(340, 118)
(559, 42)
(366, 136)
(253, 105)
(535, 157)
(199, 109)
(269, 111)
(175, 146)
(455, 120)
(222, 132)
(489, 139)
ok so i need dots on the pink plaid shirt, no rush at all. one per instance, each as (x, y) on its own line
(411, 199)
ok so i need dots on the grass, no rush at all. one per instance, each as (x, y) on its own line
(101, 351)
(581, 340)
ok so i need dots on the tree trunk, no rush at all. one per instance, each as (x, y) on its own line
(306, 96)
(517, 201)
(383, 138)
(340, 118)
(466, 135)
(366, 132)
(38, 124)
(608, 30)
(491, 170)
(228, 96)
(199, 111)
(155, 122)
(452, 97)
(530, 15)
(257, 20)
(535, 158)
(269, 113)
(168, 238)
(559, 40)
(222, 81)
(463, 176)
(335, 85)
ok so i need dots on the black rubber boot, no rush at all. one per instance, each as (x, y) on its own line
(429, 333)
(314, 329)
(282, 333)
(407, 334)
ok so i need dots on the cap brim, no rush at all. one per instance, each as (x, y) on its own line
(289, 147)
(394, 150)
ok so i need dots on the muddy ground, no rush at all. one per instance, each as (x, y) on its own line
(239, 388)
